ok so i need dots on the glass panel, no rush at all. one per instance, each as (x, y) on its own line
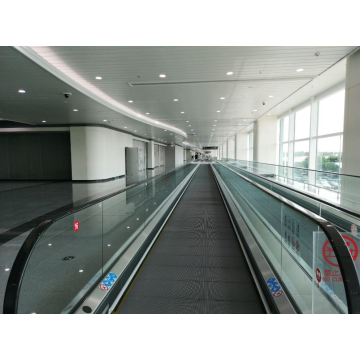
(302, 123)
(331, 114)
(328, 287)
(65, 263)
(75, 251)
(123, 221)
(297, 235)
(286, 238)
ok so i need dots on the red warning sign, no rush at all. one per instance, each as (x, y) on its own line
(318, 274)
(278, 293)
(329, 255)
(76, 226)
(103, 287)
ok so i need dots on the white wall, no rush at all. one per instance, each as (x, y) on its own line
(265, 139)
(150, 155)
(231, 148)
(350, 196)
(351, 142)
(179, 155)
(241, 146)
(97, 153)
(224, 150)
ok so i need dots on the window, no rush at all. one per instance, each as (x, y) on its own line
(331, 114)
(302, 123)
(329, 152)
(301, 154)
(284, 154)
(301, 160)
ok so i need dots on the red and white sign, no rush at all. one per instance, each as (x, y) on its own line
(103, 287)
(318, 274)
(76, 226)
(278, 293)
(329, 255)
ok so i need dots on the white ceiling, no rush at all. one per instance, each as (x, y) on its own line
(196, 76)
(44, 100)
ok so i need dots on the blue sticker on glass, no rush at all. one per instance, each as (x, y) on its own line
(109, 279)
(274, 287)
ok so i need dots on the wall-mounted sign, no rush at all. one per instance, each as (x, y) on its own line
(210, 147)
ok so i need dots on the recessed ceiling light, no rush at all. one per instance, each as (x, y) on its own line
(104, 120)
(165, 130)
(222, 98)
(176, 100)
(135, 130)
(214, 125)
(147, 113)
(255, 110)
(22, 91)
(271, 95)
(183, 112)
(218, 111)
(229, 73)
(81, 270)
(145, 134)
(215, 120)
(300, 70)
(130, 101)
(269, 114)
(44, 121)
(98, 78)
(162, 75)
(75, 110)
(7, 269)
(187, 120)
(125, 127)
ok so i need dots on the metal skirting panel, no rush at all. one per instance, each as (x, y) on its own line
(196, 265)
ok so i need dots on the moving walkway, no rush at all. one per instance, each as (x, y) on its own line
(198, 239)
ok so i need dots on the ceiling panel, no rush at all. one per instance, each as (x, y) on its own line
(196, 76)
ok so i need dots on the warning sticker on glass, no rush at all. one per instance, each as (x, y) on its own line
(274, 287)
(108, 282)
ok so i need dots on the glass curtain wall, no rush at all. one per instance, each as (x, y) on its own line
(311, 138)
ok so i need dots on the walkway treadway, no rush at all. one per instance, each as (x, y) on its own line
(196, 265)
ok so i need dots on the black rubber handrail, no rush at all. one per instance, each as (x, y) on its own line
(12, 292)
(342, 253)
(318, 199)
(294, 167)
